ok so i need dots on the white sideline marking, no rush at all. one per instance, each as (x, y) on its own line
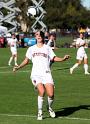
(16, 115)
(73, 118)
(5, 66)
(6, 72)
(32, 116)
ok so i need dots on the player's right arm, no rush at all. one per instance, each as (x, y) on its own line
(25, 62)
(78, 43)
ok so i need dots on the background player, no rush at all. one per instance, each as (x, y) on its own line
(12, 42)
(81, 55)
(51, 41)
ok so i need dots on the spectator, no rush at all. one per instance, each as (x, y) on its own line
(2, 41)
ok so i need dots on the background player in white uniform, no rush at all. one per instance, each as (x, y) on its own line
(41, 77)
(12, 42)
(81, 55)
(51, 41)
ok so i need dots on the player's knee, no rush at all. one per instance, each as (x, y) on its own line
(41, 93)
(51, 95)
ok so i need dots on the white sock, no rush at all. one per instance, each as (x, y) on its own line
(86, 68)
(40, 103)
(15, 60)
(50, 101)
(10, 60)
(75, 66)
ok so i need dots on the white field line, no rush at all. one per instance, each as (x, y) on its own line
(32, 116)
(17, 115)
(74, 118)
(7, 72)
(5, 66)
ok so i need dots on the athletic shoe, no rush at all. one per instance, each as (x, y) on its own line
(16, 64)
(52, 113)
(87, 73)
(40, 117)
(71, 70)
(9, 64)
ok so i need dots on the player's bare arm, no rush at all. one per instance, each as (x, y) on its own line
(25, 62)
(77, 45)
(58, 59)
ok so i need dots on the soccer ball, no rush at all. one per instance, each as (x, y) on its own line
(32, 11)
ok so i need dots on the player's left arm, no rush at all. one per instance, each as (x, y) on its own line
(59, 59)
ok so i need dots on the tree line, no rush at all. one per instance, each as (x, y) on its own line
(61, 14)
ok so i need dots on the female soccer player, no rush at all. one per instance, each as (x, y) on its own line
(81, 55)
(41, 77)
(12, 42)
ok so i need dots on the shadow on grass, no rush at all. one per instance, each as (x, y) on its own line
(70, 110)
(66, 68)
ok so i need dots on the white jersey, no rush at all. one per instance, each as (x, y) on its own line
(51, 44)
(80, 42)
(81, 50)
(41, 59)
(13, 45)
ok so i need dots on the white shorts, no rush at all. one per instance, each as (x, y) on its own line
(14, 51)
(81, 54)
(42, 79)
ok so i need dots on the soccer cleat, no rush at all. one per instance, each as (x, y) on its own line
(87, 73)
(16, 64)
(40, 117)
(71, 70)
(9, 64)
(52, 113)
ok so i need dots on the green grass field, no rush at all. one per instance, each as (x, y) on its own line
(18, 99)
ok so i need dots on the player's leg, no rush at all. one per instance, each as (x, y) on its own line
(41, 92)
(50, 92)
(15, 59)
(15, 56)
(10, 60)
(75, 66)
(79, 58)
(37, 82)
(86, 65)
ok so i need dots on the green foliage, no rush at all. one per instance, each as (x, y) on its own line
(60, 13)
(23, 6)
(65, 14)
(64, 40)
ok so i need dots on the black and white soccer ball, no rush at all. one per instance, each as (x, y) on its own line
(32, 12)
